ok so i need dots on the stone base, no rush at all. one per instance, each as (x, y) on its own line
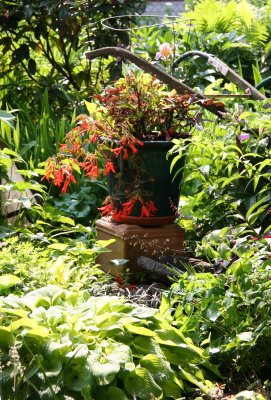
(133, 241)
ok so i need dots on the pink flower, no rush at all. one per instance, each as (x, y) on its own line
(164, 51)
(243, 136)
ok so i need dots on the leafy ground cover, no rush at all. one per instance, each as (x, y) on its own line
(71, 344)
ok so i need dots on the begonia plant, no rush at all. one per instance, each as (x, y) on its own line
(135, 109)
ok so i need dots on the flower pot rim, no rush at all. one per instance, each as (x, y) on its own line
(158, 143)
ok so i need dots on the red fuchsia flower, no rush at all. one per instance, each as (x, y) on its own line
(148, 208)
(109, 167)
(164, 51)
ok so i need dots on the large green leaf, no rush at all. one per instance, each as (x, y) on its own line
(159, 368)
(139, 330)
(139, 383)
(77, 376)
(8, 280)
(114, 393)
(147, 345)
(6, 338)
(106, 360)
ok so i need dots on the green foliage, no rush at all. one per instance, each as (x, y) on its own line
(227, 174)
(43, 44)
(234, 31)
(71, 344)
(34, 135)
(225, 202)
(30, 265)
(229, 314)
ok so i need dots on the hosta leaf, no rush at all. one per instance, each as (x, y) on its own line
(25, 322)
(6, 338)
(144, 312)
(50, 367)
(139, 330)
(39, 331)
(172, 337)
(106, 360)
(249, 395)
(58, 246)
(139, 383)
(181, 355)
(18, 312)
(77, 376)
(102, 368)
(81, 351)
(171, 389)
(147, 345)
(8, 280)
(190, 377)
(160, 369)
(114, 393)
(213, 312)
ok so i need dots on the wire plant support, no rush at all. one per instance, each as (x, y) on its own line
(249, 91)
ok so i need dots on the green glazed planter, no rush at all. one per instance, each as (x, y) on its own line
(148, 170)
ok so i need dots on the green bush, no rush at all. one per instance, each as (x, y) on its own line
(43, 45)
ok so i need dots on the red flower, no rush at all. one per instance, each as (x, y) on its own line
(69, 178)
(128, 207)
(117, 215)
(93, 172)
(119, 279)
(50, 169)
(109, 167)
(59, 177)
(106, 209)
(147, 208)
(64, 174)
(90, 166)
(119, 150)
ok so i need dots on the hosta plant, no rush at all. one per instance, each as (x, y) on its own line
(59, 344)
(136, 110)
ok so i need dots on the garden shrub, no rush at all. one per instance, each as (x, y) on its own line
(229, 315)
(43, 44)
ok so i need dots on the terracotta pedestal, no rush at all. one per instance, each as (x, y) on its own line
(133, 241)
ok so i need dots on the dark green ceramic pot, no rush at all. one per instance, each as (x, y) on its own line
(148, 172)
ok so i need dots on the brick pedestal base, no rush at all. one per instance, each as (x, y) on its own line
(132, 241)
